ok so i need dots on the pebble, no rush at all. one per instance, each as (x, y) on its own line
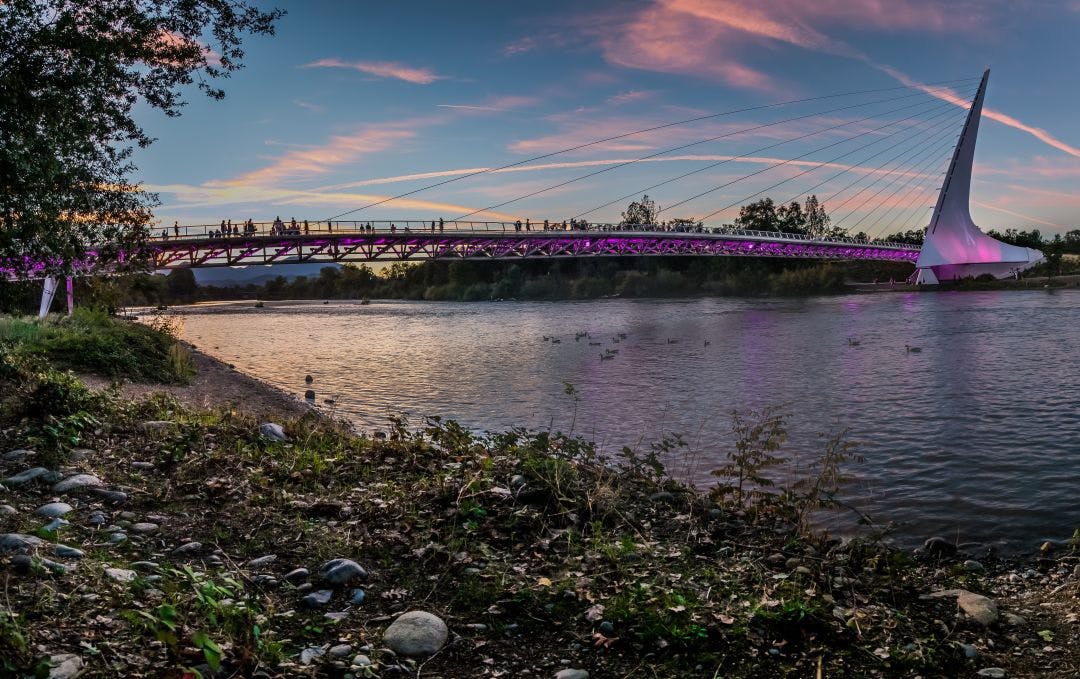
(65, 552)
(969, 651)
(25, 477)
(21, 563)
(340, 651)
(120, 574)
(305, 587)
(975, 606)
(992, 673)
(317, 599)
(272, 431)
(188, 548)
(357, 596)
(974, 566)
(97, 518)
(55, 525)
(143, 527)
(146, 566)
(571, 673)
(155, 425)
(7, 510)
(342, 571)
(144, 466)
(336, 616)
(117, 497)
(117, 538)
(76, 482)
(54, 567)
(262, 561)
(416, 633)
(64, 666)
(662, 496)
(18, 454)
(53, 509)
(297, 574)
(264, 580)
(311, 653)
(607, 629)
(361, 661)
(81, 453)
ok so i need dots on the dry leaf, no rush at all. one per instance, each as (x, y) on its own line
(594, 613)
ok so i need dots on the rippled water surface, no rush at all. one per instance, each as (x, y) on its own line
(975, 437)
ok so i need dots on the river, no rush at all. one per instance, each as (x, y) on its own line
(974, 435)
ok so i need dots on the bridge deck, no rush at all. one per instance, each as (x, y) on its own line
(357, 242)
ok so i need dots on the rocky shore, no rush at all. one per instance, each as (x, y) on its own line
(144, 537)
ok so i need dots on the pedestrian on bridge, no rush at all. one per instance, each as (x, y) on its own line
(306, 229)
(176, 228)
(440, 224)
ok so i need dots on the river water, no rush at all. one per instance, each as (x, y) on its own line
(975, 436)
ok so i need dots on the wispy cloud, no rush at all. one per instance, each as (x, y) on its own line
(946, 94)
(382, 69)
(997, 208)
(495, 104)
(339, 150)
(629, 97)
(526, 44)
(307, 105)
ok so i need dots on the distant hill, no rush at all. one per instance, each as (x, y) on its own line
(256, 274)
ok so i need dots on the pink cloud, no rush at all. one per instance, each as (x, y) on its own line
(339, 150)
(496, 104)
(630, 97)
(526, 44)
(173, 41)
(383, 69)
(1029, 218)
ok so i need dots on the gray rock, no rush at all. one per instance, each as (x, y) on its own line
(317, 599)
(117, 538)
(120, 574)
(22, 563)
(145, 527)
(361, 661)
(146, 566)
(336, 616)
(272, 431)
(64, 666)
(8, 510)
(342, 571)
(311, 653)
(975, 606)
(992, 673)
(662, 496)
(188, 548)
(25, 477)
(55, 568)
(81, 453)
(116, 497)
(340, 651)
(77, 482)
(17, 543)
(571, 673)
(97, 518)
(357, 596)
(1014, 620)
(55, 525)
(262, 561)
(18, 454)
(65, 552)
(416, 633)
(53, 509)
(607, 628)
(155, 425)
(297, 574)
(142, 466)
(970, 652)
(264, 580)
(974, 566)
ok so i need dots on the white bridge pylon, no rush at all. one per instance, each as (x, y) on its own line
(954, 246)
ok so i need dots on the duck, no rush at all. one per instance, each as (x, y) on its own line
(912, 350)
(852, 342)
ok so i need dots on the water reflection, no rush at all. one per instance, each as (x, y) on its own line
(974, 437)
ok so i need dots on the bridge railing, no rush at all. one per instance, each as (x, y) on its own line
(229, 229)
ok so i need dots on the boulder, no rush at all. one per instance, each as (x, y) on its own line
(416, 633)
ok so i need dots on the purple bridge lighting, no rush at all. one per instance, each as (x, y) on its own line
(357, 243)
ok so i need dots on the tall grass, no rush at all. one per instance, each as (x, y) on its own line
(91, 341)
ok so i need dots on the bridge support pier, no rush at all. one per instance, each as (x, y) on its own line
(49, 292)
(47, 295)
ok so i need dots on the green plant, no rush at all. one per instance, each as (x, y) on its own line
(759, 435)
(819, 489)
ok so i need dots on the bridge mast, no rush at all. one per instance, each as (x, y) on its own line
(954, 247)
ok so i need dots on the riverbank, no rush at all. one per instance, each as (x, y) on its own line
(143, 537)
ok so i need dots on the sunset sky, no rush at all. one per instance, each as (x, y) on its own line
(351, 100)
